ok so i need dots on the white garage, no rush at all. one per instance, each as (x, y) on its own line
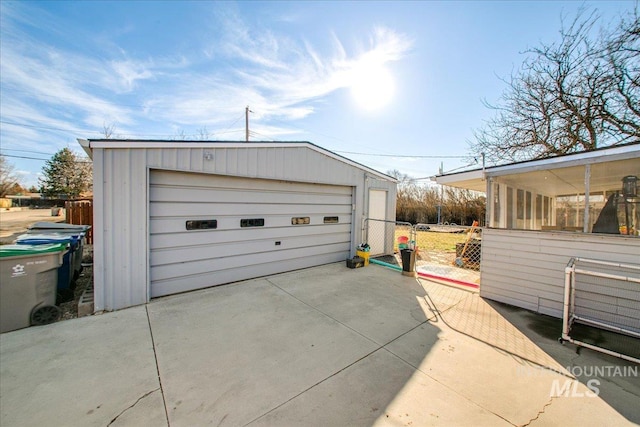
(174, 216)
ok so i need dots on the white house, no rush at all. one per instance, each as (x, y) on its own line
(173, 216)
(542, 213)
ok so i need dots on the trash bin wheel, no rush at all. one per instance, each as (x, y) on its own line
(64, 295)
(45, 315)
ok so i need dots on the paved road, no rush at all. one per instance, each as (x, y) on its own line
(14, 223)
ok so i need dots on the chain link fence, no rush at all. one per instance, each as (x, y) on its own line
(443, 251)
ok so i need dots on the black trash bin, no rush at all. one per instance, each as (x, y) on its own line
(408, 262)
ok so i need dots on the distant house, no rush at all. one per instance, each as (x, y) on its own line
(541, 213)
(27, 199)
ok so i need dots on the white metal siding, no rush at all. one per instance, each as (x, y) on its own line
(526, 268)
(121, 199)
(182, 260)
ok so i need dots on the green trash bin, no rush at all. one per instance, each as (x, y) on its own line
(28, 282)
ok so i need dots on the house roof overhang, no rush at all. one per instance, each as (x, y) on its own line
(556, 176)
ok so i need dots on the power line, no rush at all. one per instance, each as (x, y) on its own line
(27, 151)
(403, 155)
(117, 104)
(23, 157)
(37, 158)
(46, 127)
(163, 135)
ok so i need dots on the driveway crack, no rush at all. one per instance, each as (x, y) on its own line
(155, 357)
(132, 405)
(541, 411)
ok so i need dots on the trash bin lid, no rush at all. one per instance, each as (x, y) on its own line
(22, 250)
(56, 232)
(45, 238)
(59, 226)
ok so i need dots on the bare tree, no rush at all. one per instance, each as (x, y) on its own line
(575, 95)
(419, 203)
(203, 134)
(7, 176)
(108, 130)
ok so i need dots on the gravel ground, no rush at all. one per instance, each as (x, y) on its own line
(85, 281)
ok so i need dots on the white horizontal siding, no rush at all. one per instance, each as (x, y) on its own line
(526, 268)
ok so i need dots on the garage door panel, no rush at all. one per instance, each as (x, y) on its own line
(226, 223)
(182, 259)
(204, 237)
(189, 209)
(225, 250)
(192, 180)
(220, 195)
(243, 260)
(209, 279)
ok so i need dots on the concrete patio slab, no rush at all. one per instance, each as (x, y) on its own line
(87, 372)
(321, 346)
(376, 302)
(380, 390)
(239, 351)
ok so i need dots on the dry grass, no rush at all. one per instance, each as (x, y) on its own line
(434, 240)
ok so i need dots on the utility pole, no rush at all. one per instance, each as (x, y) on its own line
(441, 189)
(246, 123)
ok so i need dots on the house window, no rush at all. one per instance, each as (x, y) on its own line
(510, 207)
(539, 207)
(496, 205)
(527, 211)
(520, 202)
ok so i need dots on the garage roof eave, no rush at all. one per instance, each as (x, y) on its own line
(130, 143)
(84, 143)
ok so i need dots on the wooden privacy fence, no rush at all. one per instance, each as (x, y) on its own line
(80, 212)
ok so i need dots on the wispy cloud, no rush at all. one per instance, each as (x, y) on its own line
(282, 78)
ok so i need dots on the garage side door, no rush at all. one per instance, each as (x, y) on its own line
(207, 230)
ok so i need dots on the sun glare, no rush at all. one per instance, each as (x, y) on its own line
(372, 87)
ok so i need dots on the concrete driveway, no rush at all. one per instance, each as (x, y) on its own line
(322, 346)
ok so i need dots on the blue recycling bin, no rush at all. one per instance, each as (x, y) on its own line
(79, 231)
(66, 282)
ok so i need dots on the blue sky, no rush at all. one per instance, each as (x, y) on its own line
(395, 81)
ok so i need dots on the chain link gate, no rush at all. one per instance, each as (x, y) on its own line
(443, 251)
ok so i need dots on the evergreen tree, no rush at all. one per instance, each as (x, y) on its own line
(66, 175)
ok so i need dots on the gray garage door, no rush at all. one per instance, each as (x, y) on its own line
(207, 230)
